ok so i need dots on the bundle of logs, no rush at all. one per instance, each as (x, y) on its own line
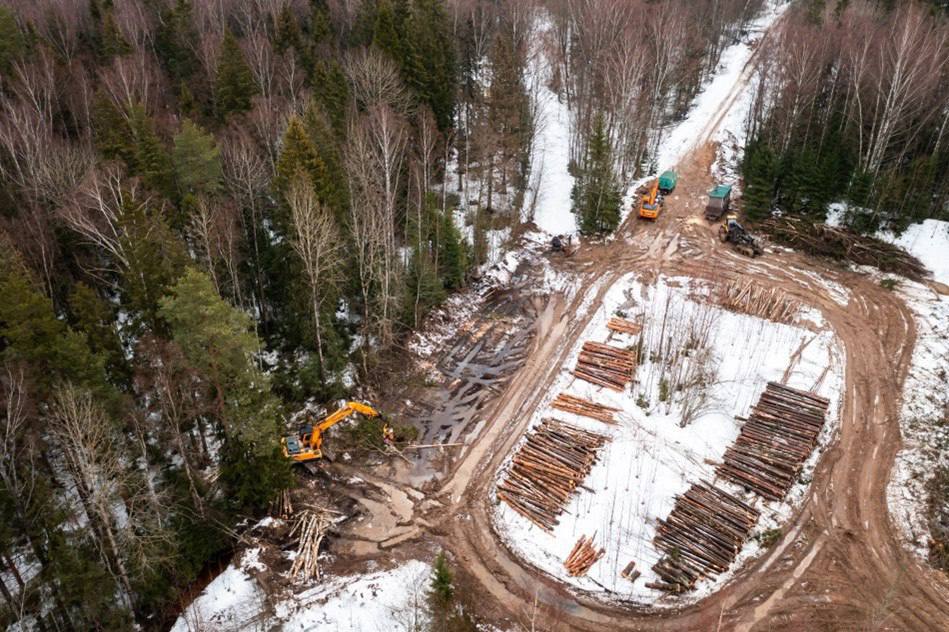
(779, 435)
(623, 326)
(548, 467)
(605, 365)
(582, 557)
(309, 529)
(754, 299)
(702, 535)
(842, 243)
(584, 408)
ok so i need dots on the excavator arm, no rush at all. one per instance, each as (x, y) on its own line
(345, 411)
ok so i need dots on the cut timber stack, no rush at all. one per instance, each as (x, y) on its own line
(780, 434)
(548, 467)
(605, 365)
(582, 557)
(623, 326)
(754, 299)
(584, 408)
(701, 537)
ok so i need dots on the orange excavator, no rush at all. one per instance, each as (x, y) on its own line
(306, 446)
(651, 201)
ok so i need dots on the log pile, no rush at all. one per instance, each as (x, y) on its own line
(584, 408)
(701, 537)
(775, 441)
(605, 365)
(309, 529)
(754, 299)
(583, 556)
(548, 467)
(843, 244)
(623, 326)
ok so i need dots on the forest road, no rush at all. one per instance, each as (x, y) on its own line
(839, 565)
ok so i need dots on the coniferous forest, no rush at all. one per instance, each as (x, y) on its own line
(213, 212)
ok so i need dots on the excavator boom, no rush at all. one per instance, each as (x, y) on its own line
(307, 446)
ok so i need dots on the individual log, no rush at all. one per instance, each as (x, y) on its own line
(584, 408)
(623, 326)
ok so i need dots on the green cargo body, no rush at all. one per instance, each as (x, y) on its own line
(719, 201)
(667, 181)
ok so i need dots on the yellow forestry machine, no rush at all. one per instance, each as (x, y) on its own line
(306, 446)
(741, 240)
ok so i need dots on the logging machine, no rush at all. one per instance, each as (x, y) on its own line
(306, 445)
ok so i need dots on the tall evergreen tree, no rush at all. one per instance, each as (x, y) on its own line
(197, 161)
(596, 194)
(234, 83)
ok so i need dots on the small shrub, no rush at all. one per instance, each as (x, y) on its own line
(642, 402)
(769, 538)
(889, 283)
(663, 390)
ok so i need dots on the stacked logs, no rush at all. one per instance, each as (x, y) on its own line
(623, 326)
(702, 535)
(548, 467)
(751, 298)
(582, 557)
(779, 436)
(605, 365)
(584, 408)
(309, 529)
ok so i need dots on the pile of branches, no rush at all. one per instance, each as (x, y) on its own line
(548, 467)
(843, 244)
(623, 326)
(780, 434)
(309, 529)
(605, 365)
(701, 537)
(756, 300)
(583, 556)
(584, 408)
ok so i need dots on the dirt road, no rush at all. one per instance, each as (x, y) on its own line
(840, 565)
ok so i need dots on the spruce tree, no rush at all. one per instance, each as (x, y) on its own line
(452, 258)
(150, 160)
(759, 173)
(298, 155)
(197, 161)
(234, 83)
(596, 194)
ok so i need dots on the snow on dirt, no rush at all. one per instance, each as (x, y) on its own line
(687, 341)
(551, 182)
(379, 601)
(923, 416)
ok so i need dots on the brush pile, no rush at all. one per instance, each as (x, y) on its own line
(751, 298)
(780, 434)
(843, 244)
(582, 557)
(548, 467)
(605, 365)
(584, 408)
(623, 326)
(701, 537)
(309, 528)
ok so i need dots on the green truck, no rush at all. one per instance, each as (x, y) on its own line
(667, 182)
(719, 201)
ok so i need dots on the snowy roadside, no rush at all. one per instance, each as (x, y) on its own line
(374, 602)
(650, 458)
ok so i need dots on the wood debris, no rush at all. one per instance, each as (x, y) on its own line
(843, 244)
(309, 528)
(751, 298)
(623, 326)
(282, 507)
(550, 464)
(584, 408)
(605, 365)
(775, 441)
(583, 556)
(701, 537)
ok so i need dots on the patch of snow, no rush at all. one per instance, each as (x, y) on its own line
(233, 601)
(929, 242)
(650, 458)
(550, 180)
(925, 402)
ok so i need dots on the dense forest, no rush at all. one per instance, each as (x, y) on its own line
(851, 105)
(212, 212)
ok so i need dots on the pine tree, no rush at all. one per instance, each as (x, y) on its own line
(298, 155)
(331, 89)
(443, 589)
(334, 191)
(234, 83)
(759, 173)
(217, 342)
(596, 194)
(95, 317)
(197, 161)
(150, 160)
(110, 40)
(174, 40)
(452, 258)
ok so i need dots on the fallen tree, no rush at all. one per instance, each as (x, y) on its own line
(842, 244)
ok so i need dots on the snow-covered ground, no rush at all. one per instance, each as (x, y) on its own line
(550, 179)
(650, 458)
(382, 601)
